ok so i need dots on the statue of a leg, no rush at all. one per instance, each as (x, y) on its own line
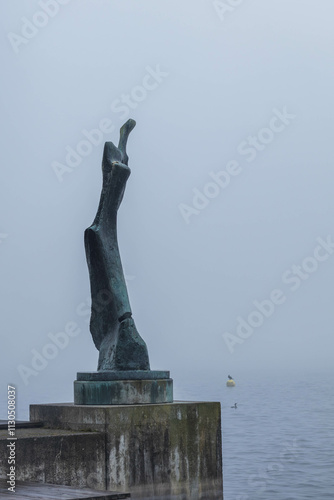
(112, 326)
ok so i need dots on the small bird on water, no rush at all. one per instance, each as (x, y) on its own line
(234, 406)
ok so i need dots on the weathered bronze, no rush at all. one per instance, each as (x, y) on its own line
(111, 325)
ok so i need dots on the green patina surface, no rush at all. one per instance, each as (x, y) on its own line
(124, 375)
(112, 327)
(122, 392)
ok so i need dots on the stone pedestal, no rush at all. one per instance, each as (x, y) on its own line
(123, 387)
(170, 450)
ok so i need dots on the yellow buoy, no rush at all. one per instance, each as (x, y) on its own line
(230, 383)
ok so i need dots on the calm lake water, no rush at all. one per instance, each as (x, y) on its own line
(279, 442)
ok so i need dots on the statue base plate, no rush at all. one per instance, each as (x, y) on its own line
(124, 375)
(123, 388)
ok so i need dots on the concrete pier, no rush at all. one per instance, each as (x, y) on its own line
(170, 450)
(55, 456)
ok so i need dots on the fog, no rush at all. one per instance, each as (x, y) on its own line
(229, 207)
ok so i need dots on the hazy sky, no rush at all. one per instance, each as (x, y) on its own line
(230, 199)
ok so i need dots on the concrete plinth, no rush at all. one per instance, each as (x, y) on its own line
(172, 450)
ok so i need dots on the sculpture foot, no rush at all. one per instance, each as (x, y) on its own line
(124, 351)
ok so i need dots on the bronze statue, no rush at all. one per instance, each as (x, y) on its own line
(111, 325)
